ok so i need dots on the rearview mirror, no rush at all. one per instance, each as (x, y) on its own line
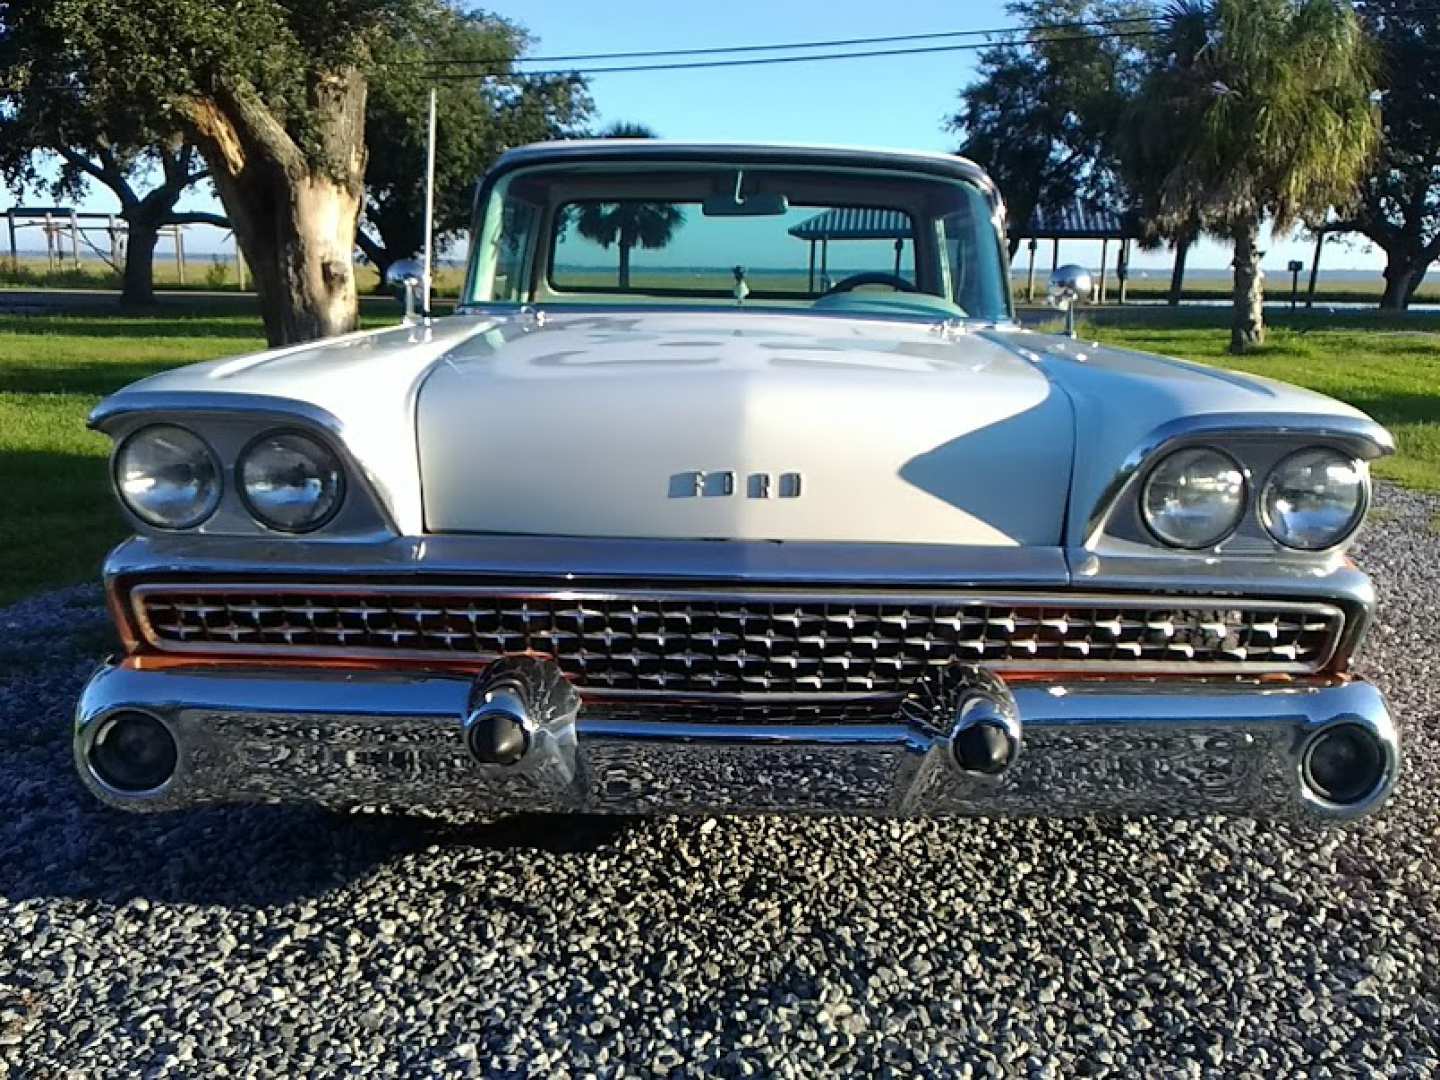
(761, 204)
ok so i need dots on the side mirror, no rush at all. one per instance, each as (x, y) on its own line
(1069, 285)
(406, 274)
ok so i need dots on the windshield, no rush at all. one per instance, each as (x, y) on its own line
(863, 241)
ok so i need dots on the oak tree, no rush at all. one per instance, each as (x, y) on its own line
(1398, 209)
(49, 110)
(485, 107)
(272, 93)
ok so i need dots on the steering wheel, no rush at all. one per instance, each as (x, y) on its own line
(872, 277)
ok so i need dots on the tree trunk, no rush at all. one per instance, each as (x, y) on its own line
(1404, 271)
(294, 211)
(624, 264)
(1177, 272)
(1247, 327)
(141, 236)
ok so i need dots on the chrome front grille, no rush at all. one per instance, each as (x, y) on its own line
(755, 641)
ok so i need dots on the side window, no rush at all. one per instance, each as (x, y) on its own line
(514, 250)
(970, 253)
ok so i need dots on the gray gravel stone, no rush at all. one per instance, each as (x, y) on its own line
(270, 941)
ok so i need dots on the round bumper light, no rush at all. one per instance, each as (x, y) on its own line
(497, 732)
(1344, 764)
(133, 752)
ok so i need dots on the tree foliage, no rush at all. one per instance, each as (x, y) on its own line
(1042, 116)
(1253, 110)
(631, 224)
(49, 107)
(480, 117)
(1399, 204)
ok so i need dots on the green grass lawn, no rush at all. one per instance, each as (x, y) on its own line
(57, 517)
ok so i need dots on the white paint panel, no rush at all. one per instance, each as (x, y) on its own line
(900, 433)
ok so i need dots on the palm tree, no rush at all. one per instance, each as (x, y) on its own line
(1262, 109)
(649, 225)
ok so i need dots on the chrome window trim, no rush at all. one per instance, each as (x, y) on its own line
(585, 151)
(966, 598)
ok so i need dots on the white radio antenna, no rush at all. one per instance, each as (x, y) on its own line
(426, 279)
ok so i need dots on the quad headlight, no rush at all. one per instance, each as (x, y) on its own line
(290, 481)
(167, 477)
(1194, 497)
(1314, 498)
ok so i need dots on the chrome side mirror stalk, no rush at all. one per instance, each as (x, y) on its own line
(1069, 285)
(407, 274)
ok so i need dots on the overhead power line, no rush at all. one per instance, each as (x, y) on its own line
(831, 44)
(766, 60)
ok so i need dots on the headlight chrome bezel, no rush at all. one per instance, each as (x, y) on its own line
(1242, 506)
(1352, 524)
(266, 522)
(208, 509)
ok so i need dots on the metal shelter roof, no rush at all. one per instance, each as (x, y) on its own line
(855, 223)
(1080, 221)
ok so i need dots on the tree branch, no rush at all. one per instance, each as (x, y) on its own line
(371, 248)
(84, 164)
(195, 217)
(117, 180)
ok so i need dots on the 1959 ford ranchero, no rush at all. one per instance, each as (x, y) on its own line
(733, 485)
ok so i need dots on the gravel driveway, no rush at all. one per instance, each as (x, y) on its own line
(290, 942)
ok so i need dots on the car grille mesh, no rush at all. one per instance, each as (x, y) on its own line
(766, 642)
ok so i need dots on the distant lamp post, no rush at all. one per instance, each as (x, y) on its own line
(1295, 267)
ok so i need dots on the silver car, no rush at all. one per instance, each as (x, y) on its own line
(733, 485)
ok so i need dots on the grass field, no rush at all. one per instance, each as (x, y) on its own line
(57, 518)
(203, 273)
(206, 273)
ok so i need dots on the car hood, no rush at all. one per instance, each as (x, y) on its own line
(734, 425)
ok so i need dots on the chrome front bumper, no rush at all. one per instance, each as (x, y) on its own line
(348, 739)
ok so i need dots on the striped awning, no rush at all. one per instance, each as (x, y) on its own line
(855, 223)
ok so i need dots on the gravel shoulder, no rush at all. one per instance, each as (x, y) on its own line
(270, 941)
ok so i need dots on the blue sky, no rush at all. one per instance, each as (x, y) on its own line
(899, 101)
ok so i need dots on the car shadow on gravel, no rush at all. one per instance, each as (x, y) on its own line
(244, 856)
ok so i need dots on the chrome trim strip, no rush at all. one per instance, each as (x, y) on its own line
(753, 734)
(140, 593)
(157, 402)
(577, 559)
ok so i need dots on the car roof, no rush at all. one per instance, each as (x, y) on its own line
(926, 161)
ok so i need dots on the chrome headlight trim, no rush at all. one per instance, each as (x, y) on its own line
(335, 461)
(1237, 513)
(1363, 496)
(205, 510)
